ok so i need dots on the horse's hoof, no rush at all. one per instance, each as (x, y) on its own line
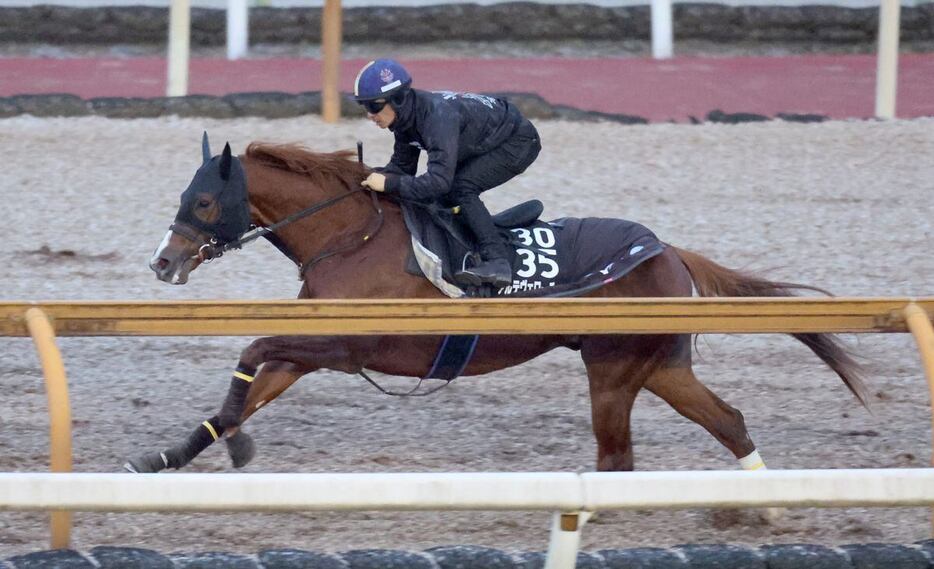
(241, 448)
(148, 463)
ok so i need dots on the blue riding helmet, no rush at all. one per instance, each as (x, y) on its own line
(380, 79)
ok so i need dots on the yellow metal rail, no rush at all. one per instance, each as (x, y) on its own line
(492, 316)
(56, 388)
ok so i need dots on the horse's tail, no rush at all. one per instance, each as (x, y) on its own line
(711, 279)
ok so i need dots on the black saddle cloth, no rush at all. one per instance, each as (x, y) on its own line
(563, 257)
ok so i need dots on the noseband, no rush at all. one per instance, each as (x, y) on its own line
(206, 252)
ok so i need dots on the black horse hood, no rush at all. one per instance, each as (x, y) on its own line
(223, 178)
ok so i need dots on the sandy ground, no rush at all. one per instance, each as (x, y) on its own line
(842, 205)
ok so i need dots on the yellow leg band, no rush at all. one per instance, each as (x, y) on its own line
(210, 429)
(243, 376)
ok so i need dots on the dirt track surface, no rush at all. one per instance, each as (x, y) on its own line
(841, 205)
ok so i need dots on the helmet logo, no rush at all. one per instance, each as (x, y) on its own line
(385, 74)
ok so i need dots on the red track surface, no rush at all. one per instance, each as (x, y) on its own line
(839, 86)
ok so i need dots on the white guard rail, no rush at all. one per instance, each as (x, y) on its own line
(571, 496)
(488, 491)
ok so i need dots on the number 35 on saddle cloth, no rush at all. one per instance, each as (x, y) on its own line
(563, 257)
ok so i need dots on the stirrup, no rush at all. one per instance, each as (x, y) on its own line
(491, 276)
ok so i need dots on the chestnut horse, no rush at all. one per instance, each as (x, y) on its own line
(312, 207)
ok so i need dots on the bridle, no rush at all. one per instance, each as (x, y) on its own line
(214, 248)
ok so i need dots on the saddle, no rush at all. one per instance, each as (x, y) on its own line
(563, 257)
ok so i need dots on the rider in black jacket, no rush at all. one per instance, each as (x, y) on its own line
(474, 143)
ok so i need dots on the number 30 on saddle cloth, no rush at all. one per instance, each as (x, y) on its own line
(562, 257)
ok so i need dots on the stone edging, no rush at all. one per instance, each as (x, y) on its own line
(516, 21)
(800, 556)
(276, 105)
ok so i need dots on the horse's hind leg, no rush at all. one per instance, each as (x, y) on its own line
(611, 409)
(680, 388)
(272, 379)
(617, 368)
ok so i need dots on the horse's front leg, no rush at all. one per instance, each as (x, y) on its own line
(340, 353)
(284, 359)
(273, 378)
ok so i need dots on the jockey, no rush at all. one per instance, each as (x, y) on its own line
(473, 142)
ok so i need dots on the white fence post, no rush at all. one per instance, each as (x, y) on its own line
(887, 69)
(662, 34)
(238, 28)
(565, 539)
(179, 38)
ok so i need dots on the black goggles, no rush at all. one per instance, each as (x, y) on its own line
(373, 107)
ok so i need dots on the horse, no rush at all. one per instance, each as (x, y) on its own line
(348, 242)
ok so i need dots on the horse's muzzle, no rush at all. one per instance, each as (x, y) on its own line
(172, 273)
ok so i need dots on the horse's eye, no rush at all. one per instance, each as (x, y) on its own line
(204, 203)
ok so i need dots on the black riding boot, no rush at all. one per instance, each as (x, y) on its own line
(495, 268)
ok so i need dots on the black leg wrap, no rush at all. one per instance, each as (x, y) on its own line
(200, 439)
(241, 448)
(232, 409)
(148, 463)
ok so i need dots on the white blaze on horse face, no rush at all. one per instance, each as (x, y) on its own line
(160, 264)
(162, 246)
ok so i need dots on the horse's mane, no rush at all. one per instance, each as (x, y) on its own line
(321, 167)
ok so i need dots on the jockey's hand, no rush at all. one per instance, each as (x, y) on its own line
(375, 182)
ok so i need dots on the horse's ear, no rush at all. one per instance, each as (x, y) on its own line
(225, 162)
(205, 148)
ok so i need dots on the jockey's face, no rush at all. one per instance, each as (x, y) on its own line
(384, 118)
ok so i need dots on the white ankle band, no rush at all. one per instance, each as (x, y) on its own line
(752, 461)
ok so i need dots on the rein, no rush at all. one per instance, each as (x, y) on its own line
(409, 393)
(307, 265)
(212, 250)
